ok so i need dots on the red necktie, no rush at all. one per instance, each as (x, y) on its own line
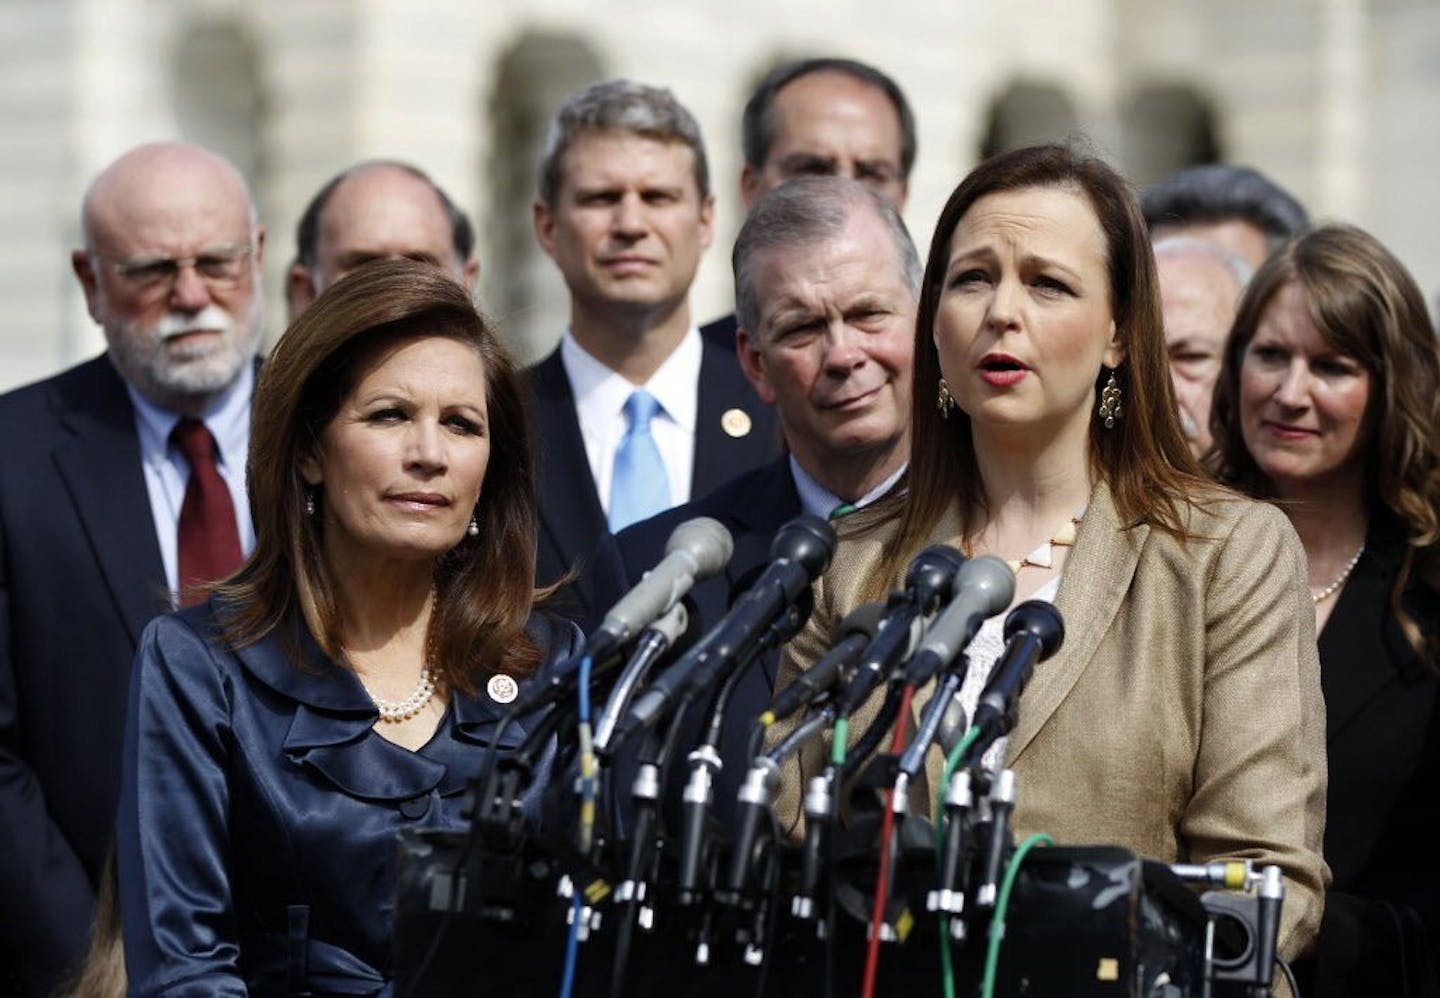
(209, 542)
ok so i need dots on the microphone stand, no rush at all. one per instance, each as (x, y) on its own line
(698, 801)
(644, 847)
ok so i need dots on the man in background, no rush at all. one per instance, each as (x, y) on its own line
(1200, 287)
(635, 413)
(1235, 207)
(377, 210)
(823, 117)
(827, 282)
(122, 487)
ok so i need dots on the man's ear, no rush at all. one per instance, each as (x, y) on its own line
(84, 269)
(707, 221)
(750, 190)
(752, 362)
(299, 289)
(544, 221)
(470, 273)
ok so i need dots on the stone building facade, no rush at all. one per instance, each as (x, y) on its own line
(1335, 98)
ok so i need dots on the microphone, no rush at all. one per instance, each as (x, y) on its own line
(1033, 632)
(929, 580)
(857, 630)
(983, 587)
(677, 627)
(697, 549)
(800, 552)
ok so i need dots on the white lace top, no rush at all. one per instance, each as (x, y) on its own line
(984, 650)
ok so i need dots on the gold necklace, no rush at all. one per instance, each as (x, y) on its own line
(1044, 555)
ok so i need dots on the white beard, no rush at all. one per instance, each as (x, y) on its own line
(167, 371)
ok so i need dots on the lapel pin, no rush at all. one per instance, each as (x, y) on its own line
(502, 688)
(735, 422)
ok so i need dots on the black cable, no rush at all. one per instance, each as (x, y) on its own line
(808, 729)
(770, 916)
(721, 701)
(1289, 976)
(870, 740)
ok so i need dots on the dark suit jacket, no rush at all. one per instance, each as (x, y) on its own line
(722, 331)
(571, 518)
(80, 575)
(1381, 925)
(752, 507)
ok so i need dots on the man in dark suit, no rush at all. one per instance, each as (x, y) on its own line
(823, 117)
(94, 506)
(827, 281)
(377, 210)
(634, 412)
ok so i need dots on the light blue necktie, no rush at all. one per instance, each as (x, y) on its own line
(639, 487)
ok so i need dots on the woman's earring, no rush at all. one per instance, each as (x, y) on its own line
(474, 529)
(310, 503)
(1110, 401)
(944, 401)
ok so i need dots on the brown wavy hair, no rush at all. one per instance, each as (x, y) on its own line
(1144, 460)
(485, 585)
(1365, 305)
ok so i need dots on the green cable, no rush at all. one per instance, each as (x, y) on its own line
(952, 763)
(997, 922)
(837, 746)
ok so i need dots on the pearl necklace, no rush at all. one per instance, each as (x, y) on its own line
(395, 711)
(1329, 590)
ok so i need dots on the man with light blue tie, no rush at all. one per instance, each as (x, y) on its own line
(635, 412)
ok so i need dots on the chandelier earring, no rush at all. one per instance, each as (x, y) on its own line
(944, 401)
(1110, 401)
(310, 502)
(473, 530)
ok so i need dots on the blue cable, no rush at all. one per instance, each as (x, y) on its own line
(572, 947)
(587, 796)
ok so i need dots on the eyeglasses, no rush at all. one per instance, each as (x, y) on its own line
(222, 268)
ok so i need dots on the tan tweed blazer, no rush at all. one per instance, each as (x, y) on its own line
(1182, 718)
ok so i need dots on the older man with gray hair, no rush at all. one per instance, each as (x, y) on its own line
(122, 486)
(1200, 287)
(827, 281)
(634, 412)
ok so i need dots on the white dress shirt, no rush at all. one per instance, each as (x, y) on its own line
(817, 500)
(167, 472)
(600, 395)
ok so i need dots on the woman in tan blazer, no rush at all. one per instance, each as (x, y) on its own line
(1182, 717)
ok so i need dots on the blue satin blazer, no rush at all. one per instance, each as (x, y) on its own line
(258, 813)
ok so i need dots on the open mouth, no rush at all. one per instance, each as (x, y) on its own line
(1000, 362)
(1001, 370)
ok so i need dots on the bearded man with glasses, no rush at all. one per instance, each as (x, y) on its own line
(122, 489)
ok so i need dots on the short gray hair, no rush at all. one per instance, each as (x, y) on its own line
(1238, 268)
(619, 106)
(809, 210)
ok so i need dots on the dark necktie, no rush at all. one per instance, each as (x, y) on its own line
(209, 542)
